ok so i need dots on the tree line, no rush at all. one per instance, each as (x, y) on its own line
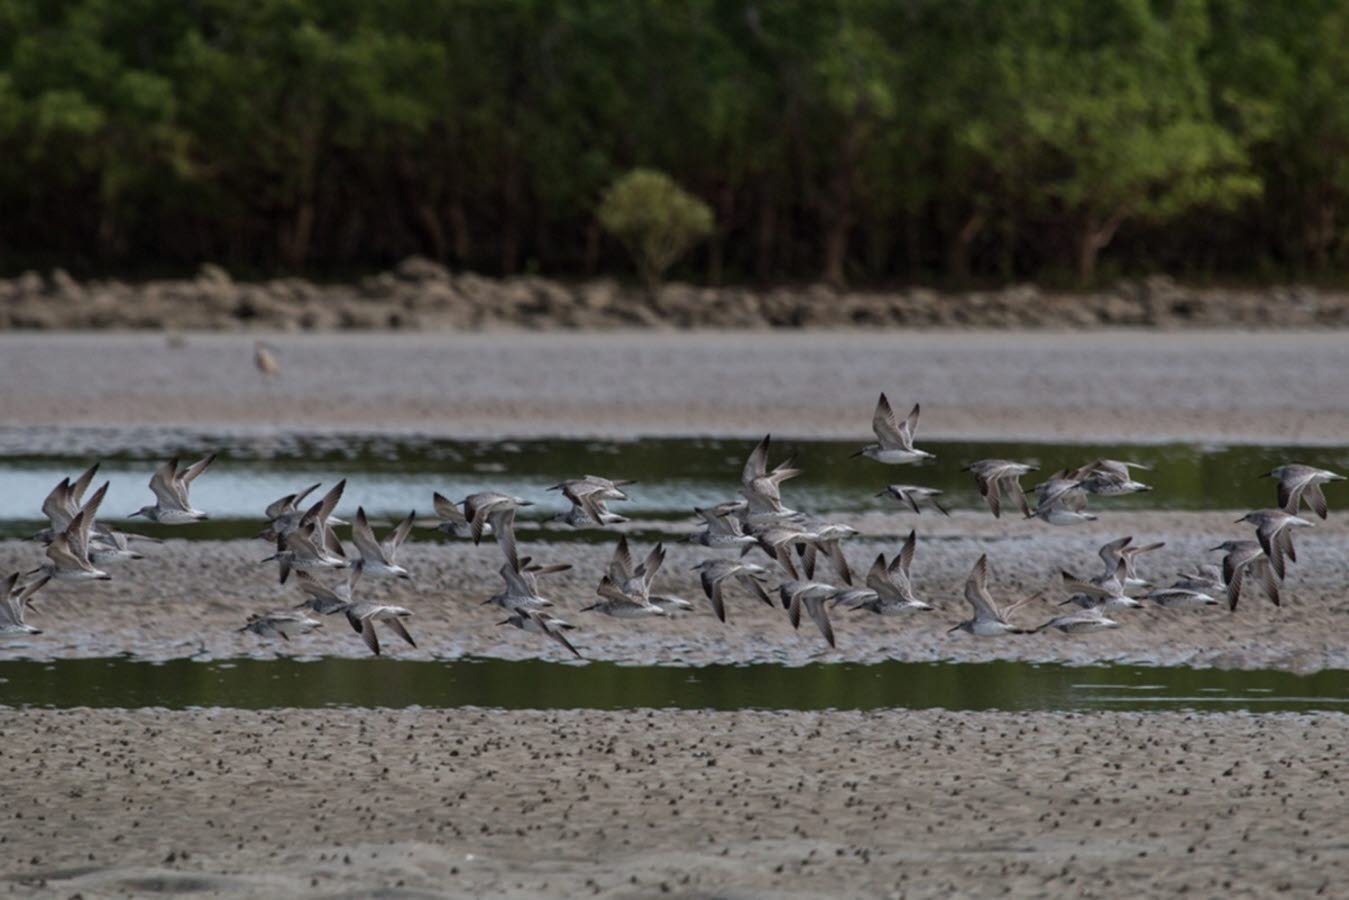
(850, 140)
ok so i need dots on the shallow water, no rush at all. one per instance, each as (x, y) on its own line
(391, 477)
(534, 684)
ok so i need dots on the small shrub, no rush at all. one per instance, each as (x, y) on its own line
(656, 219)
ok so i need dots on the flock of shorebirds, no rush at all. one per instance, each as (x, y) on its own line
(794, 544)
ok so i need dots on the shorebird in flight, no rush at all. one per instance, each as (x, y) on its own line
(894, 439)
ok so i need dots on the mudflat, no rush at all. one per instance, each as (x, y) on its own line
(294, 803)
(188, 599)
(1106, 385)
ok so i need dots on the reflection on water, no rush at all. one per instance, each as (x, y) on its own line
(533, 684)
(390, 477)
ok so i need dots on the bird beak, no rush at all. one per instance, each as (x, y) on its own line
(880, 494)
(1239, 521)
(505, 622)
(953, 630)
(855, 455)
(134, 514)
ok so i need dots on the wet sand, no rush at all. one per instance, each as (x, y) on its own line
(1123, 386)
(660, 803)
(187, 599)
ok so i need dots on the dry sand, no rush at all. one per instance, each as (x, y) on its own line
(658, 803)
(189, 598)
(1284, 387)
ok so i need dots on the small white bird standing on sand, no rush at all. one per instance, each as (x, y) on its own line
(264, 357)
(894, 439)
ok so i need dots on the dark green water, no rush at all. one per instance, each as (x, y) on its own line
(391, 477)
(266, 684)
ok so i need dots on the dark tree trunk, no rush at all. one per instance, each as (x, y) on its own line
(958, 258)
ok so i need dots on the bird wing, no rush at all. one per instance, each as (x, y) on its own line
(503, 527)
(278, 508)
(621, 565)
(884, 425)
(909, 428)
(976, 591)
(58, 507)
(162, 484)
(819, 614)
(81, 484)
(904, 561)
(756, 465)
(447, 509)
(364, 538)
(395, 538)
(182, 481)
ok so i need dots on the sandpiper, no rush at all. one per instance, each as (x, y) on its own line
(1273, 529)
(1060, 500)
(989, 619)
(996, 475)
(894, 439)
(280, 624)
(712, 572)
(1244, 558)
(363, 614)
(450, 520)
(827, 538)
(1124, 549)
(589, 497)
(812, 596)
(377, 557)
(541, 623)
(910, 495)
(69, 552)
(12, 608)
(626, 588)
(1104, 591)
(300, 551)
(1110, 478)
(170, 487)
(1300, 484)
(284, 514)
(522, 586)
(1082, 621)
(1174, 597)
(892, 584)
(761, 487)
(722, 527)
(498, 510)
(323, 600)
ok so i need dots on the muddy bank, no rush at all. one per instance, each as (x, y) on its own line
(419, 294)
(187, 599)
(655, 803)
(1131, 387)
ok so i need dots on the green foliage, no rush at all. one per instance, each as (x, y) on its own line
(656, 219)
(845, 139)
